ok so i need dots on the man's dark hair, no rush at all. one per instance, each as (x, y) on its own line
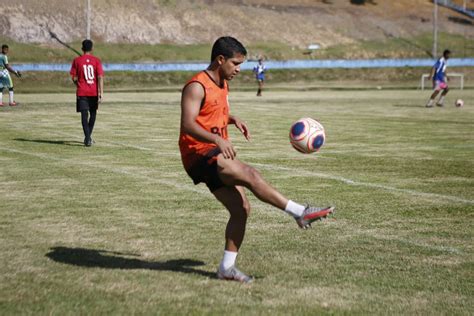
(87, 45)
(4, 46)
(446, 52)
(228, 47)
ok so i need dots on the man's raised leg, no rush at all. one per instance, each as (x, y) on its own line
(236, 173)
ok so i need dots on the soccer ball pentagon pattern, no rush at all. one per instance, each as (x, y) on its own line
(459, 103)
(307, 135)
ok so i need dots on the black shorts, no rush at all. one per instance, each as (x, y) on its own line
(205, 170)
(87, 104)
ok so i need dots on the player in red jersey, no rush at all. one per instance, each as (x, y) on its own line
(88, 76)
(208, 155)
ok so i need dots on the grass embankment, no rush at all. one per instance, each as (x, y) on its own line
(309, 79)
(419, 46)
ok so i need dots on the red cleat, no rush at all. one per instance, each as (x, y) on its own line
(312, 214)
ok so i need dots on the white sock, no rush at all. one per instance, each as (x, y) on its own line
(441, 100)
(294, 209)
(11, 96)
(1, 96)
(430, 102)
(228, 260)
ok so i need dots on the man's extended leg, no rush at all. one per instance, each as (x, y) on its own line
(236, 202)
(234, 172)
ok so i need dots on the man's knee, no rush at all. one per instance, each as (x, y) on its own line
(246, 208)
(242, 214)
(253, 177)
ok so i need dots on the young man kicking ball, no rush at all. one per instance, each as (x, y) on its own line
(208, 155)
(440, 79)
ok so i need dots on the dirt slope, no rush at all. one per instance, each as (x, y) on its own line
(294, 22)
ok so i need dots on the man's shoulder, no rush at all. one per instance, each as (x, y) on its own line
(95, 58)
(77, 59)
(198, 77)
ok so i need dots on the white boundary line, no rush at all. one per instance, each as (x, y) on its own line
(110, 169)
(365, 184)
(294, 172)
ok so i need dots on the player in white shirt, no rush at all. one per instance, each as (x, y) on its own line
(259, 71)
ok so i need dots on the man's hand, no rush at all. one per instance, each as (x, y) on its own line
(242, 127)
(18, 74)
(226, 148)
(99, 98)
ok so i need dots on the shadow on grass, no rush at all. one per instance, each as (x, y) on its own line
(55, 142)
(97, 258)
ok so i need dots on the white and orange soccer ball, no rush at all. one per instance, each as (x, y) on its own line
(307, 135)
(459, 103)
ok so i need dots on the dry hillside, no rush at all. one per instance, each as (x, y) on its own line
(294, 22)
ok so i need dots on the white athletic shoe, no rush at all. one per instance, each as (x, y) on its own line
(234, 274)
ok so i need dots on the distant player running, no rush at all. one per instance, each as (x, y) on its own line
(259, 71)
(6, 81)
(208, 155)
(87, 74)
(440, 79)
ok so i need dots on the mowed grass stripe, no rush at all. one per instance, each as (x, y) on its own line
(119, 227)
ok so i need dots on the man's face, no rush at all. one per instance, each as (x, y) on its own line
(5, 50)
(230, 67)
(447, 56)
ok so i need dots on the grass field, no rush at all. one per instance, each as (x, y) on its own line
(395, 47)
(119, 228)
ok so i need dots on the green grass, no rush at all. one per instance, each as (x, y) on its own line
(302, 79)
(420, 46)
(412, 47)
(119, 228)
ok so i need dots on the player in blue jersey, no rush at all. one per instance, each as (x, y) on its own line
(259, 71)
(440, 79)
(6, 81)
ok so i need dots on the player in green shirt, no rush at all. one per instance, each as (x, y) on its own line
(6, 81)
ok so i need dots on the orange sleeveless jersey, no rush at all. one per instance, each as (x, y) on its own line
(213, 117)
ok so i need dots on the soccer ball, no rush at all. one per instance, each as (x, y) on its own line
(307, 135)
(459, 103)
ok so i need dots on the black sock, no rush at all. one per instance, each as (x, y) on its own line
(85, 124)
(92, 121)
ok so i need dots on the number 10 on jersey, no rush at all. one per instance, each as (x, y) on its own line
(89, 73)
